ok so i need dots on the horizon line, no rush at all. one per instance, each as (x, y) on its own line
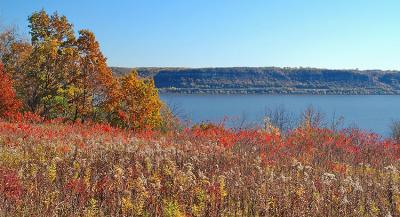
(282, 67)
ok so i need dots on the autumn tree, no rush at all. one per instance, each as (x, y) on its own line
(14, 50)
(8, 36)
(140, 104)
(60, 75)
(52, 61)
(8, 100)
(94, 83)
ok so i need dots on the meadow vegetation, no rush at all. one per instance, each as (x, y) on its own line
(91, 169)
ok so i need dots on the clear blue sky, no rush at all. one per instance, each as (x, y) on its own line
(361, 34)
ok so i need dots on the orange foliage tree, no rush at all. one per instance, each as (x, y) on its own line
(93, 81)
(8, 100)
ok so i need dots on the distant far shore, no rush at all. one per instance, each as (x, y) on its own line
(271, 80)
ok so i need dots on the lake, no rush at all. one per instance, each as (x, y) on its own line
(372, 113)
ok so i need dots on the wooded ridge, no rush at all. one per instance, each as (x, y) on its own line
(270, 80)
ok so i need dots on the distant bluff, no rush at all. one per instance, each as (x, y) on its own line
(270, 80)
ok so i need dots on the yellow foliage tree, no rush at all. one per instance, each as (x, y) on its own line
(139, 103)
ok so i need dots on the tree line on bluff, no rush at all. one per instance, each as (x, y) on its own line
(57, 74)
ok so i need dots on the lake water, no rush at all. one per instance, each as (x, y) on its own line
(372, 113)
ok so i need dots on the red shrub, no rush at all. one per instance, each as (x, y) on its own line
(10, 186)
(9, 104)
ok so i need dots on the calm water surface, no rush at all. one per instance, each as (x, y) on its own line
(372, 113)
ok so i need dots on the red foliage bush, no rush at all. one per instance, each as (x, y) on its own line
(9, 104)
(10, 186)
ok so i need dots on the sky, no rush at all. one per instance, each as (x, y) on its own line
(337, 34)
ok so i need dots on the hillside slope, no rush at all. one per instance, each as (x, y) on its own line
(270, 80)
